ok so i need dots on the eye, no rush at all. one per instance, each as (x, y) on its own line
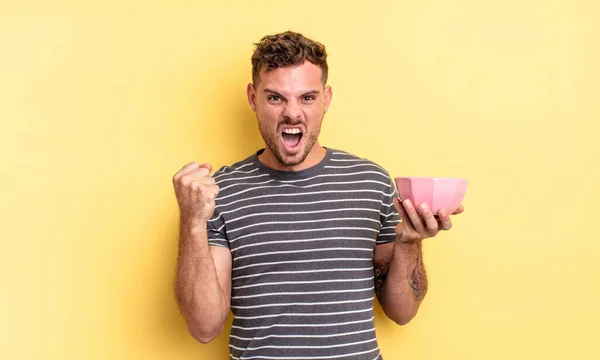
(274, 98)
(309, 98)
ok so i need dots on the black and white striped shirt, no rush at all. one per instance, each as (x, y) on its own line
(302, 247)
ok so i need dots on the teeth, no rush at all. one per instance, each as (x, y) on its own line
(292, 131)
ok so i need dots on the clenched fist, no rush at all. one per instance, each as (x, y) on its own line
(196, 192)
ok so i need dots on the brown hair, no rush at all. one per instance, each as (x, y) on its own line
(287, 49)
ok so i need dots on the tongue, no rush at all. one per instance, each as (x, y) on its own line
(291, 140)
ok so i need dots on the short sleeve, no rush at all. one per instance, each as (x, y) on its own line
(215, 227)
(389, 217)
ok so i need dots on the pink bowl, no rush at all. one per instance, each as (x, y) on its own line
(437, 193)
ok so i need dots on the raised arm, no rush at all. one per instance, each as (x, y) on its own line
(203, 279)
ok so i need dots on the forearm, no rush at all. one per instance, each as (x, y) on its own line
(406, 284)
(199, 296)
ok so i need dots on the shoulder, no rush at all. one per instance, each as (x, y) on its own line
(341, 159)
(240, 169)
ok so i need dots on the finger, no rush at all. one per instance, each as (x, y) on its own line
(415, 219)
(188, 168)
(195, 180)
(444, 221)
(459, 210)
(185, 169)
(214, 190)
(204, 193)
(207, 166)
(430, 221)
(200, 172)
(403, 215)
(201, 181)
(210, 208)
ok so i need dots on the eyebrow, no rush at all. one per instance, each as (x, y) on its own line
(311, 92)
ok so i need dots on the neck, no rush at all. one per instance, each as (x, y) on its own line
(315, 156)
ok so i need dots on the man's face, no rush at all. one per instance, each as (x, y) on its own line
(290, 104)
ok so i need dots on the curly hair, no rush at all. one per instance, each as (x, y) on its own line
(287, 49)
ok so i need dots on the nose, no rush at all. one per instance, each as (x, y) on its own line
(292, 110)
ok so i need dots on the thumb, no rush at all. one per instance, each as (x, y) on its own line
(397, 205)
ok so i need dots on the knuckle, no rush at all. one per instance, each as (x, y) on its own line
(194, 185)
(184, 180)
(211, 195)
(205, 192)
(433, 224)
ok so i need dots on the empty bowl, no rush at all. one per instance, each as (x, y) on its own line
(436, 192)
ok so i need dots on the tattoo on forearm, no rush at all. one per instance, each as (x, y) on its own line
(417, 277)
(381, 272)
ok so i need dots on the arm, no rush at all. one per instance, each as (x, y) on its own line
(401, 280)
(400, 277)
(203, 283)
(203, 279)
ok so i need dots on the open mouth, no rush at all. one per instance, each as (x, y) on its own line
(291, 138)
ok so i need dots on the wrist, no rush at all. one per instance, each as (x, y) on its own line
(405, 240)
(192, 224)
(408, 245)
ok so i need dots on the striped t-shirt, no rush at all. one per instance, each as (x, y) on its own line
(302, 247)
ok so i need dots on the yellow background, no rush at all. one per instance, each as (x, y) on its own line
(102, 101)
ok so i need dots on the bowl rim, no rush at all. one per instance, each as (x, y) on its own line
(429, 178)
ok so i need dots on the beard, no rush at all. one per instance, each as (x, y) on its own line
(273, 141)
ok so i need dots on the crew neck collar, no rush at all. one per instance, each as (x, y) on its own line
(281, 174)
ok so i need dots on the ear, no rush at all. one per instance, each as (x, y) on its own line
(328, 96)
(251, 94)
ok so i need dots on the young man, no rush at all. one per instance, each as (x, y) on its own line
(297, 239)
